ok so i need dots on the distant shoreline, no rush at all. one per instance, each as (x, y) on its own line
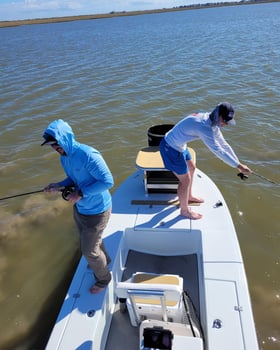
(16, 23)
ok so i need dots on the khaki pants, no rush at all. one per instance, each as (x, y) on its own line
(91, 228)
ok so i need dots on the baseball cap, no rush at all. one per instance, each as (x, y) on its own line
(226, 110)
(49, 140)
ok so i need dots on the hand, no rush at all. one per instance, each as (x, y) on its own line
(53, 187)
(74, 197)
(244, 169)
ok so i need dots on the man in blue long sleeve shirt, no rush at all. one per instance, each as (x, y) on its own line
(91, 178)
(177, 158)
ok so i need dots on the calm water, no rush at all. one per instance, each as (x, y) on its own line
(111, 79)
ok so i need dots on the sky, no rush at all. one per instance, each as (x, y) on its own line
(30, 9)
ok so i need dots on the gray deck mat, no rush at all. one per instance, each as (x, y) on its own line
(122, 335)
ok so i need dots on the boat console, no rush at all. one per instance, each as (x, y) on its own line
(156, 177)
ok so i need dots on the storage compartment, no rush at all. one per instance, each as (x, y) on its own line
(160, 181)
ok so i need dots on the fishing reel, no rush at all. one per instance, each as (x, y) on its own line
(66, 191)
(242, 176)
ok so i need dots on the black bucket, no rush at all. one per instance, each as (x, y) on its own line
(157, 132)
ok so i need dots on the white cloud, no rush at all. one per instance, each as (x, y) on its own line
(51, 4)
(29, 9)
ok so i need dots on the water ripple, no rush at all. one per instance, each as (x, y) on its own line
(111, 80)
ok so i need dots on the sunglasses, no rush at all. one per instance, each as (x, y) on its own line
(57, 148)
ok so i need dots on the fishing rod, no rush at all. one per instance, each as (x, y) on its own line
(245, 177)
(265, 178)
(65, 192)
(21, 194)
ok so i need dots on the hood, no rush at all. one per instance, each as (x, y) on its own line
(63, 134)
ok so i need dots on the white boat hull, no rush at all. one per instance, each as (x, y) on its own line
(85, 320)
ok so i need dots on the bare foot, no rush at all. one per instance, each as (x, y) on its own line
(196, 200)
(191, 215)
(95, 289)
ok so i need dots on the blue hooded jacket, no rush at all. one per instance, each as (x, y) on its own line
(85, 169)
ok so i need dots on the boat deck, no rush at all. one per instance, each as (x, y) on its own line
(205, 253)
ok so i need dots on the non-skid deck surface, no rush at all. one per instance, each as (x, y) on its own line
(122, 335)
(183, 265)
(152, 202)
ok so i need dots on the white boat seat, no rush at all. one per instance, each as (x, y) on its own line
(152, 296)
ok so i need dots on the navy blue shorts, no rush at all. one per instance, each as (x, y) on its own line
(174, 160)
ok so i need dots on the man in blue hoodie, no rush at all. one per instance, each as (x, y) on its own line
(87, 172)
